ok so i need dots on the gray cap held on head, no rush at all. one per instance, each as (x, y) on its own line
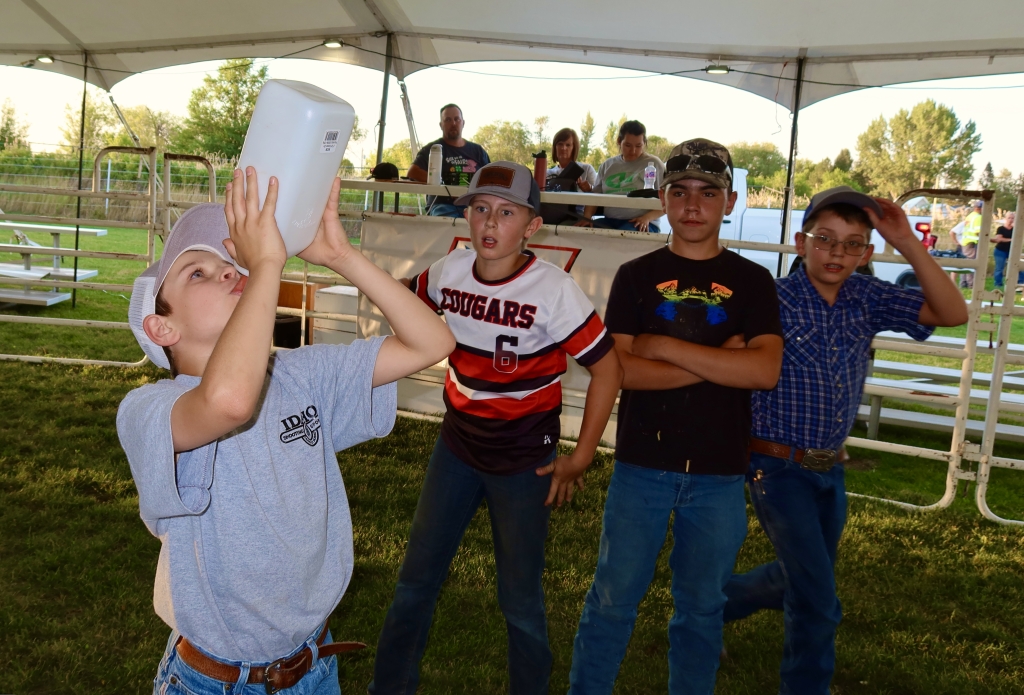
(507, 180)
(202, 228)
(842, 194)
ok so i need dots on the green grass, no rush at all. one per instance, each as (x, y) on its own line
(931, 600)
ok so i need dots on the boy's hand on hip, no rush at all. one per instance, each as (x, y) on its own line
(330, 247)
(566, 475)
(255, 239)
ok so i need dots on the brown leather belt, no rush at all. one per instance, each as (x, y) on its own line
(280, 675)
(812, 459)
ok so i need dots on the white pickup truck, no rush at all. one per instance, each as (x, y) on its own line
(765, 225)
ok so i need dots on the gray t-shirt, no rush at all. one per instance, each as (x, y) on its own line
(255, 532)
(618, 177)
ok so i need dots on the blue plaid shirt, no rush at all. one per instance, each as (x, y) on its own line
(826, 357)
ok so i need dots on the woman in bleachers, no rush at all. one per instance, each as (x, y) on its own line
(565, 148)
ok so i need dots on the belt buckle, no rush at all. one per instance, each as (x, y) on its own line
(818, 460)
(268, 686)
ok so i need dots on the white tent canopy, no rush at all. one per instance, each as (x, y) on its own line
(844, 46)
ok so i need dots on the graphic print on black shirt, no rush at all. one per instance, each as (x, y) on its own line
(701, 428)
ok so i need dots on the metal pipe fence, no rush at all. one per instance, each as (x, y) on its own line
(159, 206)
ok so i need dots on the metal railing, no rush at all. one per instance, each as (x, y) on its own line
(160, 207)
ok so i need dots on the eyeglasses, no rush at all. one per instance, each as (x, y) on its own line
(823, 242)
(703, 162)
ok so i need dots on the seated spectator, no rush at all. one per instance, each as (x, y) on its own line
(622, 174)
(460, 159)
(565, 147)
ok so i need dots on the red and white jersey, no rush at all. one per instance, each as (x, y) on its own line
(503, 389)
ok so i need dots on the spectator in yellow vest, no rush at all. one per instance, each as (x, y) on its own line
(969, 240)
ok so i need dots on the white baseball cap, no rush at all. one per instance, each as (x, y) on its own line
(202, 228)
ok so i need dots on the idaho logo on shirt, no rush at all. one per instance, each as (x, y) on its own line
(304, 426)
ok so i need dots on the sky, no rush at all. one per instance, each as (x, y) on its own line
(676, 108)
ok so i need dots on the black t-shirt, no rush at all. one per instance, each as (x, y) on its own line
(458, 164)
(703, 428)
(1004, 246)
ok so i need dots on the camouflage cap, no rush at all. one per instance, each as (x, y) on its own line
(699, 159)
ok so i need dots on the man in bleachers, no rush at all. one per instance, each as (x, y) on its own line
(460, 159)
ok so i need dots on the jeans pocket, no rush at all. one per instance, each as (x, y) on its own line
(181, 679)
(763, 468)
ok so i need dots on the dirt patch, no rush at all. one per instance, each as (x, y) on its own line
(860, 464)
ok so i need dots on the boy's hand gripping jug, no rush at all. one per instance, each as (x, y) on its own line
(298, 133)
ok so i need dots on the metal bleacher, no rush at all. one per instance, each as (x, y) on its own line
(55, 271)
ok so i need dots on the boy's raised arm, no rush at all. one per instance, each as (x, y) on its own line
(943, 305)
(421, 338)
(233, 378)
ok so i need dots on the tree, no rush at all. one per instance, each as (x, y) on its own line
(506, 140)
(844, 160)
(542, 122)
(611, 136)
(219, 110)
(13, 133)
(99, 124)
(914, 149)
(660, 147)
(400, 154)
(987, 178)
(586, 135)
(1007, 186)
(760, 159)
(153, 128)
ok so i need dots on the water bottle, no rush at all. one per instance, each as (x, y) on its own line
(434, 165)
(298, 133)
(540, 168)
(650, 177)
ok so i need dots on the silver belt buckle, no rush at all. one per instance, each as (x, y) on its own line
(819, 460)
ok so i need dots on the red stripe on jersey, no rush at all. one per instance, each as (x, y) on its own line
(421, 290)
(585, 336)
(479, 367)
(504, 408)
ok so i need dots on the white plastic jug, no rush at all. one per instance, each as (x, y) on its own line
(298, 133)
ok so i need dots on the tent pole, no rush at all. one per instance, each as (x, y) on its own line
(81, 154)
(378, 198)
(787, 200)
(414, 141)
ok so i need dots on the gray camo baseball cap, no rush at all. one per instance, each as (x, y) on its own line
(202, 228)
(507, 180)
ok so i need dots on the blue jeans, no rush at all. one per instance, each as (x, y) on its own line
(175, 677)
(803, 513)
(1001, 258)
(708, 528)
(446, 210)
(624, 224)
(452, 492)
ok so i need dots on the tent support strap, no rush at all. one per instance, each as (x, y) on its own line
(81, 161)
(378, 198)
(787, 201)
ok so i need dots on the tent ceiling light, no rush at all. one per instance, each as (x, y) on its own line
(332, 43)
(718, 70)
(45, 59)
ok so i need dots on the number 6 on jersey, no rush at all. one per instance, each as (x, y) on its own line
(505, 361)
